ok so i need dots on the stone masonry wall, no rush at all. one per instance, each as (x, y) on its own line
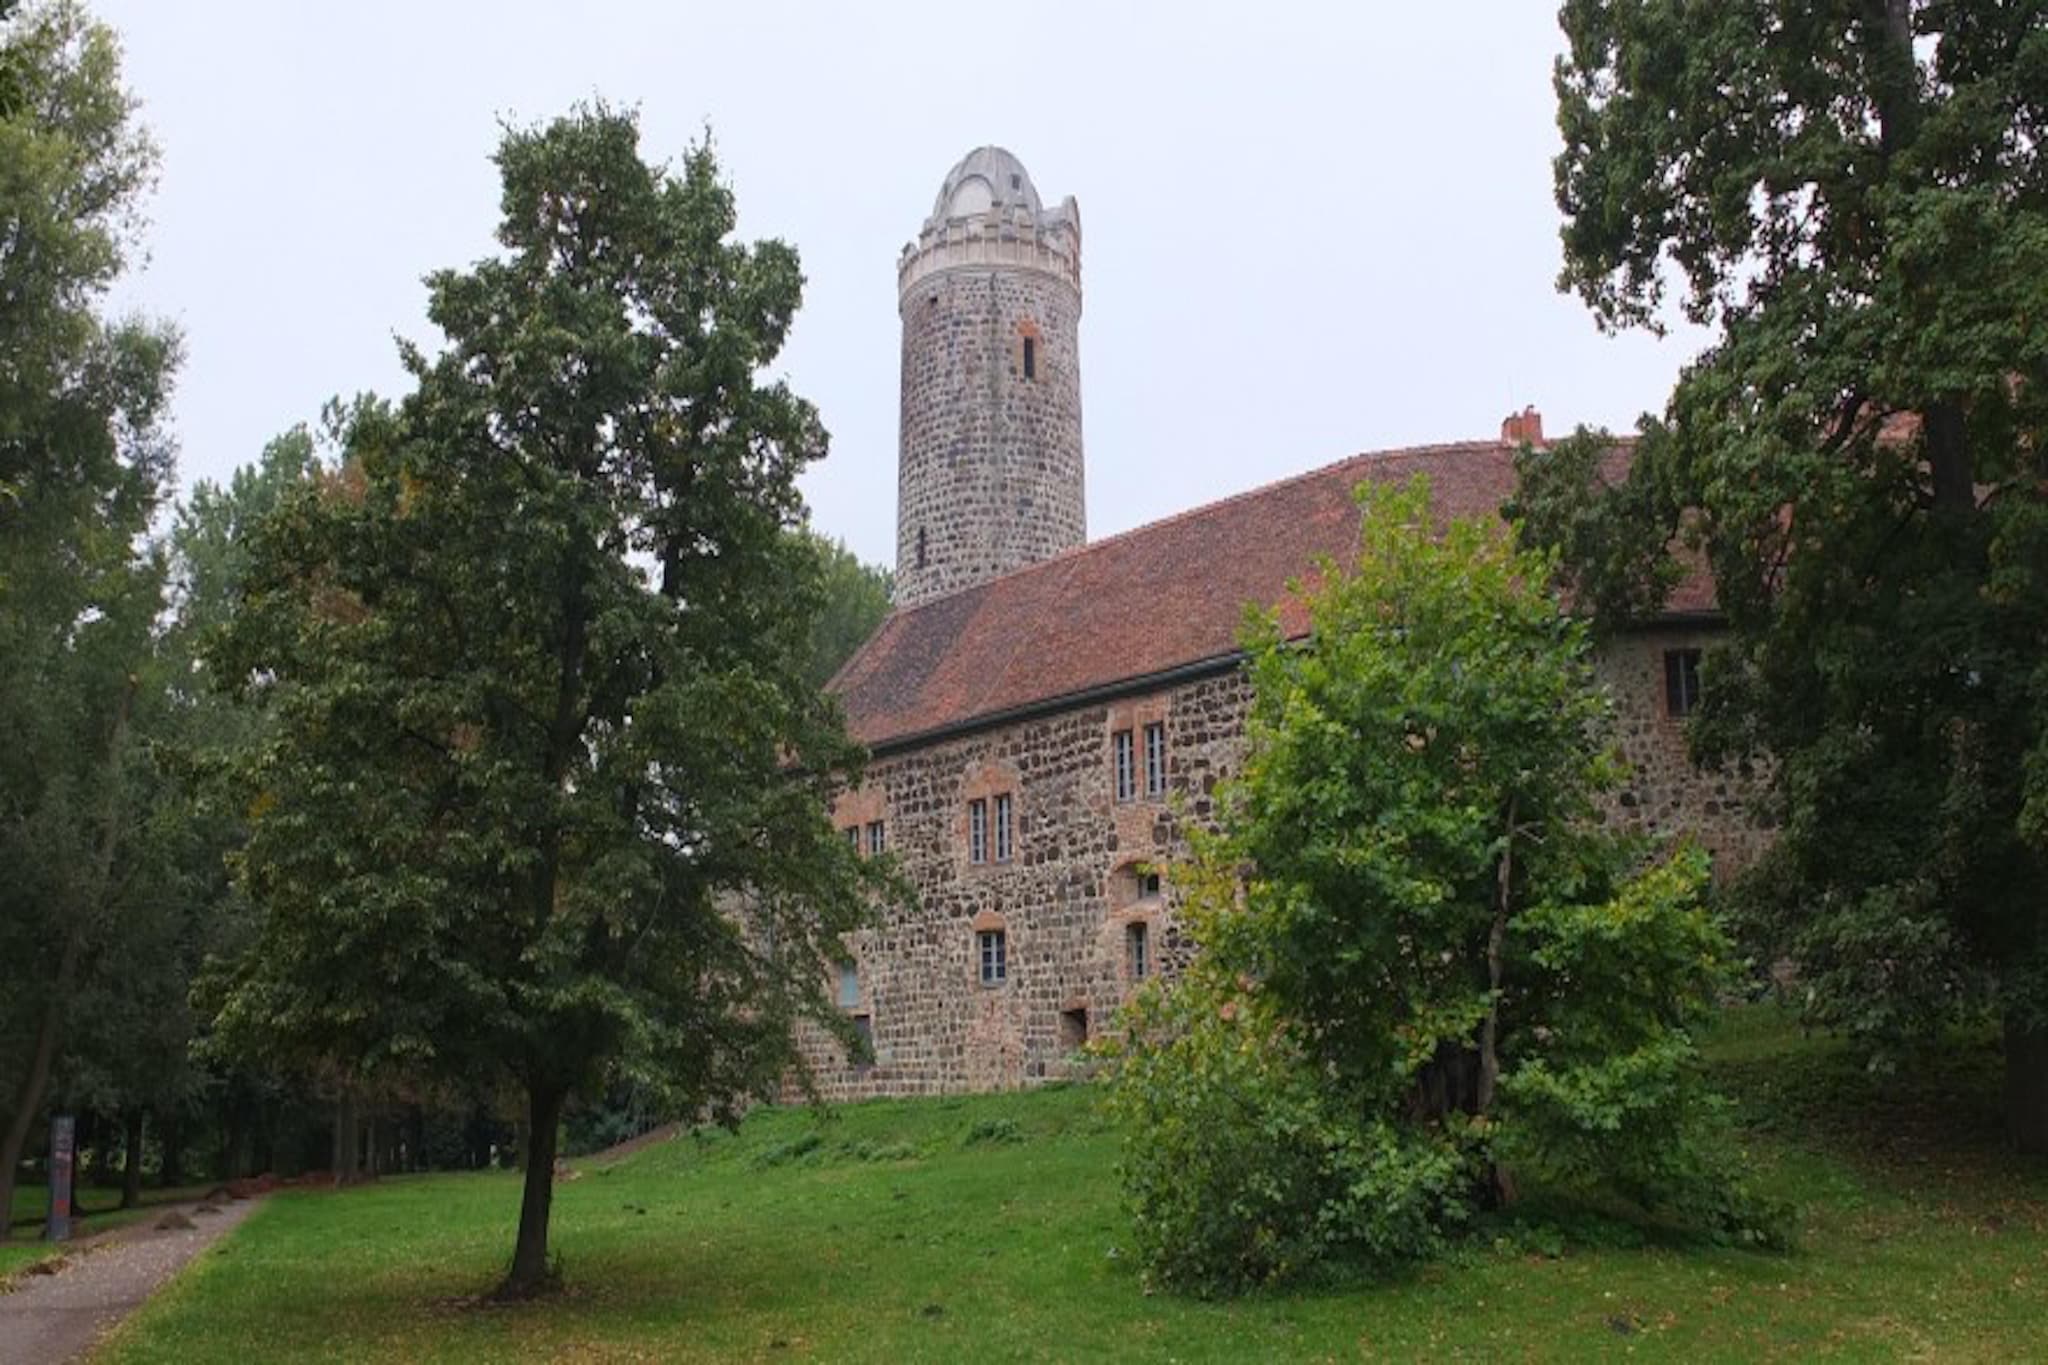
(990, 465)
(1066, 897)
(1663, 791)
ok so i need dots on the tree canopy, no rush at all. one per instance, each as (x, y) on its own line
(84, 461)
(1428, 975)
(1854, 196)
(547, 787)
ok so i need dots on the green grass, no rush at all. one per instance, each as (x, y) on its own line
(988, 1229)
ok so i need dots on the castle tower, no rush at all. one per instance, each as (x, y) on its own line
(989, 462)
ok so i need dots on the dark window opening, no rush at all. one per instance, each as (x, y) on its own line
(864, 1029)
(1016, 182)
(920, 547)
(1031, 357)
(1681, 681)
(995, 965)
(1148, 885)
(1137, 942)
(1074, 1029)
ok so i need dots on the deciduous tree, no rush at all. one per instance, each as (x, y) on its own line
(1854, 195)
(1427, 972)
(83, 464)
(535, 656)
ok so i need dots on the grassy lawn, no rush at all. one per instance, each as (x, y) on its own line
(988, 1228)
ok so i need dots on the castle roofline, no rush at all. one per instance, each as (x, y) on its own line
(1155, 602)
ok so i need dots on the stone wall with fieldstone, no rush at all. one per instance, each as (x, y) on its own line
(989, 472)
(1073, 887)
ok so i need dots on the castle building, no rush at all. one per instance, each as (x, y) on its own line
(1046, 715)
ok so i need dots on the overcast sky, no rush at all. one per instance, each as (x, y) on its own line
(1320, 230)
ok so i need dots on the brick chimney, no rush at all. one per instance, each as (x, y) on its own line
(1524, 426)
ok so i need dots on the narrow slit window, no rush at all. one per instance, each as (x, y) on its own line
(1031, 357)
(1155, 759)
(920, 547)
(1681, 681)
(864, 1029)
(995, 962)
(1126, 765)
(1005, 837)
(977, 831)
(1138, 946)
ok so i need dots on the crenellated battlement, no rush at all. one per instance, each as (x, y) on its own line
(1011, 237)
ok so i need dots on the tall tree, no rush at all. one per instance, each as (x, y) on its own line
(1854, 195)
(856, 600)
(547, 787)
(83, 464)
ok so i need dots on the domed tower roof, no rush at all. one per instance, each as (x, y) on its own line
(986, 178)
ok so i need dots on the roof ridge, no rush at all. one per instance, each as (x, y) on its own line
(1074, 552)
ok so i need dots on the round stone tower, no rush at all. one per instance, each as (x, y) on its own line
(989, 465)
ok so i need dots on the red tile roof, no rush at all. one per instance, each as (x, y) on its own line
(1156, 598)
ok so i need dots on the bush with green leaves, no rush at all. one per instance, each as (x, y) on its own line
(1428, 974)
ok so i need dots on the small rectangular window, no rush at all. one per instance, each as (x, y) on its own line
(876, 840)
(1155, 759)
(864, 1029)
(1031, 357)
(853, 837)
(849, 985)
(1681, 681)
(1139, 947)
(995, 967)
(1004, 837)
(1126, 766)
(977, 831)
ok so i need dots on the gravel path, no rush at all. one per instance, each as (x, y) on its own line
(61, 1316)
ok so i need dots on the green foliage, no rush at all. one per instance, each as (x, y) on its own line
(1244, 1163)
(992, 1132)
(84, 461)
(1427, 975)
(856, 600)
(1858, 202)
(544, 794)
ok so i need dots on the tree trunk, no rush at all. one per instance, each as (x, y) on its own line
(234, 1133)
(530, 1274)
(131, 1161)
(171, 1133)
(1503, 1193)
(347, 1140)
(2026, 1085)
(28, 1097)
(1496, 945)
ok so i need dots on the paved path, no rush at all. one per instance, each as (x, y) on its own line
(60, 1317)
